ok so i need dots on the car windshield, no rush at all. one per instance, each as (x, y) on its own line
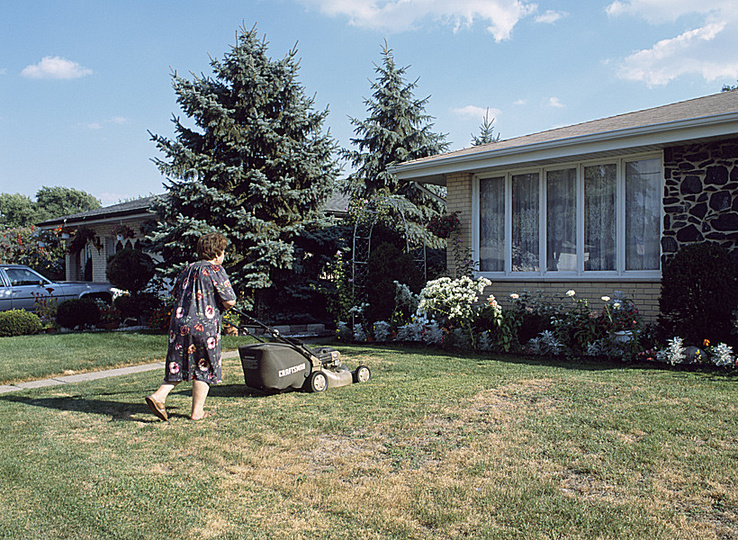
(24, 276)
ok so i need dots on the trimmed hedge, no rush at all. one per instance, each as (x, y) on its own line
(19, 322)
(79, 312)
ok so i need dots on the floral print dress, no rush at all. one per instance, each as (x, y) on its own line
(194, 330)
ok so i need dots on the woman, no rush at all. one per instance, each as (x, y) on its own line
(202, 292)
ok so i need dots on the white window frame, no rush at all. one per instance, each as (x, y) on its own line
(580, 274)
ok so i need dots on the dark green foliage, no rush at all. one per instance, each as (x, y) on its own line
(130, 269)
(298, 295)
(138, 305)
(78, 313)
(54, 202)
(19, 322)
(699, 292)
(397, 130)
(255, 167)
(387, 264)
(18, 210)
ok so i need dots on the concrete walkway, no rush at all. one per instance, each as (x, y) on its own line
(91, 376)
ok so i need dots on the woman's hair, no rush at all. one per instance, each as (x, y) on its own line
(210, 245)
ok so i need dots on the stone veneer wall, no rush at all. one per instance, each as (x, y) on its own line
(700, 195)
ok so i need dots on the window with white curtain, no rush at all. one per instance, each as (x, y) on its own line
(561, 221)
(643, 214)
(492, 224)
(578, 219)
(599, 217)
(525, 222)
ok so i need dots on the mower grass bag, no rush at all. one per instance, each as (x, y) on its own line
(273, 367)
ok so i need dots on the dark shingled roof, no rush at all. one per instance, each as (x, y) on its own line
(337, 205)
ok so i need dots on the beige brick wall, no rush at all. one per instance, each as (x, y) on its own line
(459, 198)
(645, 294)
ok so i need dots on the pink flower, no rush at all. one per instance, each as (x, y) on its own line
(173, 368)
(180, 312)
(171, 336)
(211, 343)
(209, 312)
(184, 330)
(203, 364)
(199, 327)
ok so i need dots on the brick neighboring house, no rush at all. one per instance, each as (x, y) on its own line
(90, 263)
(598, 206)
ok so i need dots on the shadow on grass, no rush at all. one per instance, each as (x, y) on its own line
(132, 411)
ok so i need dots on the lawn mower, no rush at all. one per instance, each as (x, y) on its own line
(286, 363)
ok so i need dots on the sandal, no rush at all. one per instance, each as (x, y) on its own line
(157, 408)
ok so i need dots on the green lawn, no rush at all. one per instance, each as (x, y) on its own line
(434, 446)
(25, 358)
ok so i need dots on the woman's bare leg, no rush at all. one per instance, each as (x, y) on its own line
(199, 394)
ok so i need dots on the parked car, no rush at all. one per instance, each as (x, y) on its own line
(20, 285)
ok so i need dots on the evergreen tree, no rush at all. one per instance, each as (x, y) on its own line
(396, 130)
(256, 167)
(486, 132)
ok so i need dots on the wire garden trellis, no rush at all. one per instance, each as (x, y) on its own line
(394, 211)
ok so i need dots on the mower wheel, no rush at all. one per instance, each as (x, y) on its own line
(362, 374)
(317, 382)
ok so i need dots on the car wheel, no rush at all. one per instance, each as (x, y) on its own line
(317, 382)
(362, 374)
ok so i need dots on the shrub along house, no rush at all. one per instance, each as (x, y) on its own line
(595, 207)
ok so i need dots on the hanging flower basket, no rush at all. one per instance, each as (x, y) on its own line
(121, 232)
(83, 235)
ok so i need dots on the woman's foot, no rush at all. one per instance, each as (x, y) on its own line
(157, 408)
(204, 415)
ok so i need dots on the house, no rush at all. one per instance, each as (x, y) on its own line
(599, 206)
(115, 227)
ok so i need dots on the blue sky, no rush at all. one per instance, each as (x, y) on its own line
(82, 82)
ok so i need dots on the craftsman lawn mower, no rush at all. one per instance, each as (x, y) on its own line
(286, 363)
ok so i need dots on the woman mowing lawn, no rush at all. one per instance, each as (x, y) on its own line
(202, 292)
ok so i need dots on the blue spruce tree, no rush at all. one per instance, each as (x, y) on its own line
(251, 163)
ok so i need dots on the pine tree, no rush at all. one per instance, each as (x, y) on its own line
(256, 166)
(396, 130)
(486, 132)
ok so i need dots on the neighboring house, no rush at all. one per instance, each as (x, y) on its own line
(90, 263)
(599, 206)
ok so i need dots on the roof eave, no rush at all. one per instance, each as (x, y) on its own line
(656, 135)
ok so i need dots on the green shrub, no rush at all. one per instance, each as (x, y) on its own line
(78, 313)
(137, 305)
(699, 291)
(130, 269)
(387, 264)
(19, 322)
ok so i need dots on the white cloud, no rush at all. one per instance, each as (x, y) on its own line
(550, 17)
(97, 125)
(706, 51)
(520, 101)
(555, 102)
(661, 11)
(55, 67)
(500, 16)
(472, 111)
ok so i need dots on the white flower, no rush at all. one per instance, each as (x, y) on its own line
(514, 296)
(605, 298)
(570, 293)
(616, 305)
